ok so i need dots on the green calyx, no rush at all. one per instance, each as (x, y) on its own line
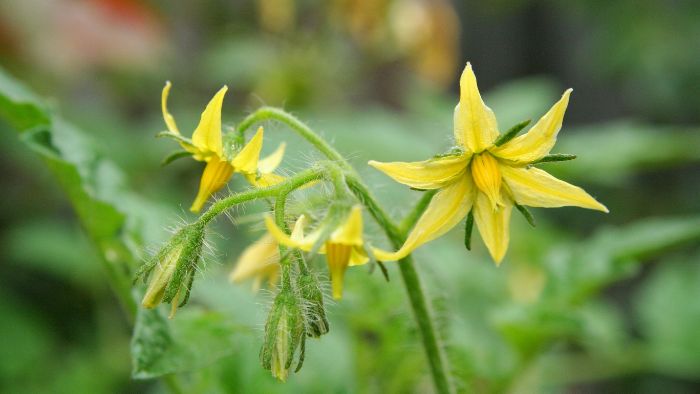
(314, 309)
(284, 333)
(173, 268)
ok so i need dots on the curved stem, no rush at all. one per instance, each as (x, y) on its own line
(411, 279)
(419, 304)
(410, 220)
(412, 283)
(295, 182)
(270, 113)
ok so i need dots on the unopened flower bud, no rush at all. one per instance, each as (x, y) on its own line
(172, 270)
(284, 333)
(314, 310)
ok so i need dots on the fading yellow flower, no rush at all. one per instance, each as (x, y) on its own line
(259, 261)
(343, 248)
(206, 145)
(487, 177)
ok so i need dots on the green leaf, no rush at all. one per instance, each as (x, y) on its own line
(668, 309)
(21, 108)
(580, 271)
(192, 340)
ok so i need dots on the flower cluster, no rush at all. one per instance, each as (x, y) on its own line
(482, 179)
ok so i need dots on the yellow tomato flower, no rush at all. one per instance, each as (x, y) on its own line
(259, 261)
(206, 145)
(486, 177)
(343, 248)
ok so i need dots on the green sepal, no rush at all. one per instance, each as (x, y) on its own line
(174, 156)
(468, 228)
(554, 157)
(456, 151)
(511, 133)
(385, 272)
(302, 354)
(193, 239)
(526, 213)
(314, 311)
(188, 290)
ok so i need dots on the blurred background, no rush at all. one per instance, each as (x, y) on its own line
(584, 302)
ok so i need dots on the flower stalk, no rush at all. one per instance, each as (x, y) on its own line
(418, 301)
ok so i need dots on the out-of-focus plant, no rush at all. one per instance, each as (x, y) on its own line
(537, 322)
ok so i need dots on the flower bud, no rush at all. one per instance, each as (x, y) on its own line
(284, 332)
(314, 310)
(172, 270)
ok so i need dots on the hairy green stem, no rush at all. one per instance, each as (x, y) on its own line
(270, 113)
(294, 182)
(412, 283)
(410, 220)
(396, 234)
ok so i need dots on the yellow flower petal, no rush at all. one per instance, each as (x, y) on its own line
(246, 161)
(475, 124)
(207, 135)
(268, 164)
(338, 258)
(214, 177)
(541, 138)
(428, 174)
(493, 225)
(297, 240)
(258, 261)
(169, 120)
(487, 177)
(358, 256)
(172, 126)
(350, 232)
(537, 188)
(449, 206)
(264, 180)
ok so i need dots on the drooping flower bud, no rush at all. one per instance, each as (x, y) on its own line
(314, 310)
(284, 333)
(172, 269)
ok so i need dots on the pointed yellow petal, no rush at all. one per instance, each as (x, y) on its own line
(428, 174)
(475, 124)
(449, 206)
(268, 164)
(358, 256)
(297, 240)
(214, 177)
(338, 258)
(350, 232)
(207, 135)
(541, 138)
(246, 161)
(264, 180)
(169, 120)
(487, 177)
(261, 259)
(493, 225)
(537, 188)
